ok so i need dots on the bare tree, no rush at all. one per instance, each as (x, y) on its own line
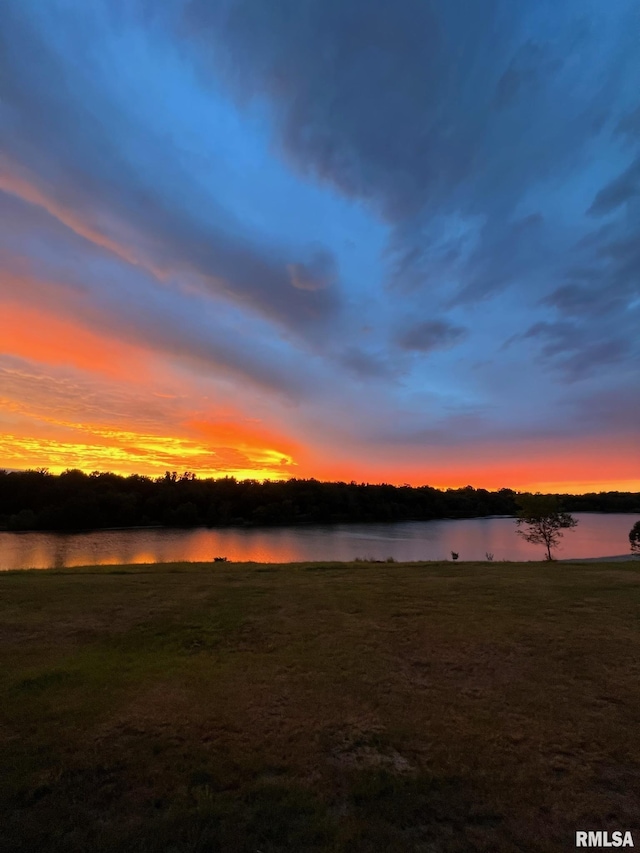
(544, 519)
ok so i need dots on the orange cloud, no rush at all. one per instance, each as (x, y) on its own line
(125, 452)
(37, 335)
(241, 433)
(237, 448)
(80, 399)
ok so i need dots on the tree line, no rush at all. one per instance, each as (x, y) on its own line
(73, 500)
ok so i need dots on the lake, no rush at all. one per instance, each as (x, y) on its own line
(597, 535)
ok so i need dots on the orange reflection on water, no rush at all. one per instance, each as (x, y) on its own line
(597, 535)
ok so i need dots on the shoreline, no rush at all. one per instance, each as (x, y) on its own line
(618, 558)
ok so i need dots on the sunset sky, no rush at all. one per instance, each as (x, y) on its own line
(344, 239)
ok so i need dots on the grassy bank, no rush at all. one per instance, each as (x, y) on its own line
(320, 707)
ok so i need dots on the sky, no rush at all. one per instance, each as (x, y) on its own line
(342, 239)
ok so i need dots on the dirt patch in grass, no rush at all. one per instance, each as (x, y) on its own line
(355, 749)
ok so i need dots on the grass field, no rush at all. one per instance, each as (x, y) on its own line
(319, 707)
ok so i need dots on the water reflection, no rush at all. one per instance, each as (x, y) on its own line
(60, 548)
(596, 535)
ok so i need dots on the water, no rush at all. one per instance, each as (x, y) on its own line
(597, 535)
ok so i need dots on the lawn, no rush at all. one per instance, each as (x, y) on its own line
(432, 707)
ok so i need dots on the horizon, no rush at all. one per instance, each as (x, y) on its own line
(195, 475)
(335, 241)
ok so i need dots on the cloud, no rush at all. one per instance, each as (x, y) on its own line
(356, 88)
(316, 274)
(574, 299)
(625, 187)
(60, 395)
(114, 299)
(431, 335)
(601, 410)
(396, 104)
(629, 125)
(570, 348)
(476, 158)
(526, 72)
(367, 365)
(508, 253)
(53, 413)
(122, 181)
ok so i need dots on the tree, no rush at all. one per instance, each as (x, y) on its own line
(634, 538)
(544, 519)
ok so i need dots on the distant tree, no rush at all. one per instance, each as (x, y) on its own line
(544, 519)
(23, 520)
(634, 538)
(74, 500)
(184, 515)
(454, 556)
